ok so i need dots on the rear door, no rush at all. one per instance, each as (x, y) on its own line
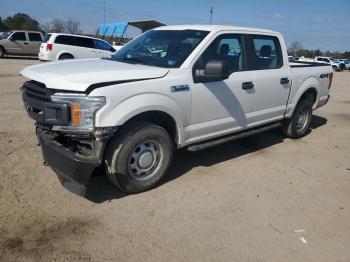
(17, 44)
(34, 43)
(85, 48)
(272, 78)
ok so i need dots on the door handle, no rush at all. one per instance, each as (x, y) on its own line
(25, 43)
(284, 81)
(247, 85)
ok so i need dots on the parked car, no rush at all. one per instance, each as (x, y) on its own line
(130, 112)
(57, 46)
(293, 58)
(336, 64)
(20, 43)
(346, 63)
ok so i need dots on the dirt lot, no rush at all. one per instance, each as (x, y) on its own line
(265, 198)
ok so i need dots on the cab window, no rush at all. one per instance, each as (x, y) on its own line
(35, 37)
(267, 51)
(102, 45)
(19, 36)
(227, 47)
(65, 40)
(85, 42)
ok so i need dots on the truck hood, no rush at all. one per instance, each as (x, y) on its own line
(78, 75)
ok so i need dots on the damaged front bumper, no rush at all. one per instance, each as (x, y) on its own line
(73, 170)
(73, 155)
(73, 159)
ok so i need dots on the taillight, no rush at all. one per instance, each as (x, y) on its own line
(330, 77)
(49, 47)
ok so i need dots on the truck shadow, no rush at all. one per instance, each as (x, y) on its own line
(100, 189)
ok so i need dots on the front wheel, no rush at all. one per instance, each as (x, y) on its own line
(299, 125)
(2, 52)
(138, 157)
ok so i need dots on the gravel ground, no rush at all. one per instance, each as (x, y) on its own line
(265, 198)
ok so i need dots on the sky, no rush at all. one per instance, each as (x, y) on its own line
(317, 24)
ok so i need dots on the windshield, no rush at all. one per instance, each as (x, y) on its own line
(163, 48)
(4, 35)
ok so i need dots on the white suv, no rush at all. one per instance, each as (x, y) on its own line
(57, 46)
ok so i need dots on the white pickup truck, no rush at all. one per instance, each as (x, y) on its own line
(172, 87)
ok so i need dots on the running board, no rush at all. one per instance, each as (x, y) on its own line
(236, 136)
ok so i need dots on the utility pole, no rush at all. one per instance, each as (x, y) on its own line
(104, 11)
(211, 14)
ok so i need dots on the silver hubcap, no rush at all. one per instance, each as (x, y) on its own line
(302, 119)
(144, 161)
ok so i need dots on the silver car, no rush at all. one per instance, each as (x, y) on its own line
(20, 43)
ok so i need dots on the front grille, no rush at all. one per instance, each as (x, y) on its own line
(46, 113)
(37, 91)
(35, 95)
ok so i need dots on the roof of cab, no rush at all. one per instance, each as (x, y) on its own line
(215, 28)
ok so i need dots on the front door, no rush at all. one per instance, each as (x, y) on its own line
(222, 107)
(17, 44)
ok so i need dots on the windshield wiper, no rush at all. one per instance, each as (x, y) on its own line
(137, 60)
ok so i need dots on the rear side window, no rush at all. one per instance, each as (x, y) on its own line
(227, 47)
(65, 40)
(35, 37)
(85, 42)
(102, 45)
(46, 38)
(19, 36)
(268, 53)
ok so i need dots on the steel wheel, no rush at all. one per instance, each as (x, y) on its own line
(302, 119)
(144, 160)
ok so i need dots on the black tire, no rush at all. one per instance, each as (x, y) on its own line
(126, 151)
(66, 57)
(2, 52)
(297, 127)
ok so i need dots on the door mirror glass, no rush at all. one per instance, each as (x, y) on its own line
(214, 70)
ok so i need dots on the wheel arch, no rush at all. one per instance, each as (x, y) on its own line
(155, 108)
(3, 48)
(159, 118)
(308, 89)
(64, 53)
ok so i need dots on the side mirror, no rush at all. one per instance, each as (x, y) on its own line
(11, 38)
(215, 70)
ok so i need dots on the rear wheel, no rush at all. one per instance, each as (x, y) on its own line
(298, 126)
(65, 57)
(138, 157)
(2, 52)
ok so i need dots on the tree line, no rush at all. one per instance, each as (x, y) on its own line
(296, 49)
(24, 22)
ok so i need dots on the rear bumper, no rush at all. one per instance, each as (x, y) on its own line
(72, 170)
(44, 57)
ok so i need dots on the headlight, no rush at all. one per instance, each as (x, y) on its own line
(83, 109)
